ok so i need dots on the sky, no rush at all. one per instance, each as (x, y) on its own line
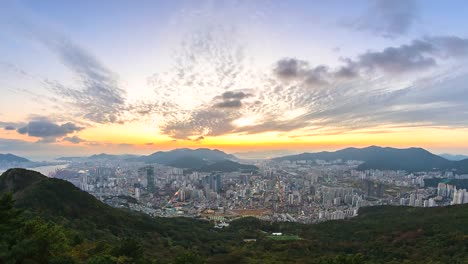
(86, 77)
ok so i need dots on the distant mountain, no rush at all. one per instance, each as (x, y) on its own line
(201, 159)
(173, 156)
(453, 157)
(12, 158)
(62, 224)
(384, 158)
(267, 154)
(461, 166)
(164, 157)
(102, 156)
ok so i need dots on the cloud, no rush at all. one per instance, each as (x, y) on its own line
(388, 18)
(47, 130)
(419, 55)
(208, 65)
(235, 95)
(231, 99)
(200, 138)
(416, 56)
(96, 94)
(229, 104)
(275, 125)
(297, 96)
(74, 139)
(201, 122)
(292, 69)
(9, 126)
(449, 46)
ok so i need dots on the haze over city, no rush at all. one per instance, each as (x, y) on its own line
(86, 77)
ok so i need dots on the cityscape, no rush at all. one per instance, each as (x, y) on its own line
(233, 132)
(305, 191)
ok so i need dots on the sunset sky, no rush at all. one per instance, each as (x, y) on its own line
(85, 77)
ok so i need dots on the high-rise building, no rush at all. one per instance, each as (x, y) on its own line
(374, 189)
(402, 201)
(182, 195)
(412, 199)
(213, 182)
(459, 196)
(441, 189)
(150, 178)
(83, 181)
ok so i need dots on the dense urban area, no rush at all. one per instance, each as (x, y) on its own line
(306, 191)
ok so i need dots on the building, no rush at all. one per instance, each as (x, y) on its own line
(150, 179)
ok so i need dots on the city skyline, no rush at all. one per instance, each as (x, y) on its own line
(80, 78)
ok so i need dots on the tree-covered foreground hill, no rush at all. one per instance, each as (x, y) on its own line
(45, 220)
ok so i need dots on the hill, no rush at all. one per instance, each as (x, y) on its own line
(7, 158)
(453, 157)
(385, 158)
(102, 156)
(61, 224)
(172, 156)
(201, 159)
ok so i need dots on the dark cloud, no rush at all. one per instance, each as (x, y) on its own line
(231, 99)
(415, 56)
(388, 18)
(235, 95)
(291, 69)
(346, 73)
(419, 55)
(449, 46)
(47, 130)
(229, 104)
(10, 125)
(74, 139)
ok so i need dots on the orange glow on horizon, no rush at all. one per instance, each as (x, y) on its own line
(141, 135)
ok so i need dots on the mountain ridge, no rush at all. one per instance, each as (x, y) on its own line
(12, 158)
(453, 157)
(386, 158)
(200, 159)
